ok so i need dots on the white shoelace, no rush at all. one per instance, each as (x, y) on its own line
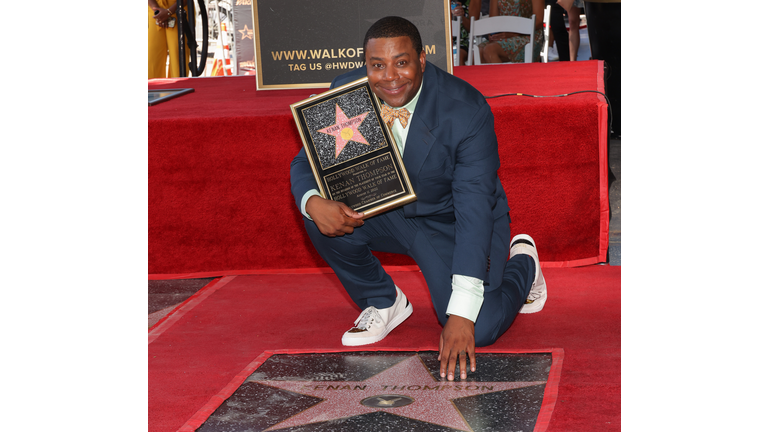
(367, 318)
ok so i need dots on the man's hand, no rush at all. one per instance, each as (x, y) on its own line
(332, 217)
(457, 340)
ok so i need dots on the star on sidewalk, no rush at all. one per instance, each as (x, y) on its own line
(406, 389)
(345, 129)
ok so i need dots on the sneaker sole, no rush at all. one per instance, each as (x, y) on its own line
(534, 307)
(538, 305)
(391, 326)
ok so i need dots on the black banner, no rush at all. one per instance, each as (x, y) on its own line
(305, 44)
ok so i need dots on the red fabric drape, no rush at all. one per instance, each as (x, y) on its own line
(219, 185)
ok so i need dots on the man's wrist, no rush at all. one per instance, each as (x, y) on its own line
(310, 193)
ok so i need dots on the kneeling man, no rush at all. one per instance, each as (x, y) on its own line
(458, 229)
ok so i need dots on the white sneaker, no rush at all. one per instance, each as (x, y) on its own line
(374, 324)
(523, 243)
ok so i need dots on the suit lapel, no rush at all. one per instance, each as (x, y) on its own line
(417, 147)
(424, 119)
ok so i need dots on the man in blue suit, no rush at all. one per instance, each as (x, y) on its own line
(458, 228)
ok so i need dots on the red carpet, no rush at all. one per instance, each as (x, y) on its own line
(219, 170)
(195, 353)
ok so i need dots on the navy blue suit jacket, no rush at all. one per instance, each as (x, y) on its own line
(451, 155)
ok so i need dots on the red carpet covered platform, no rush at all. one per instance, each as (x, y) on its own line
(219, 187)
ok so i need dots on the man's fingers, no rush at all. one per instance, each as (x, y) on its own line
(472, 363)
(442, 358)
(353, 214)
(451, 365)
(447, 363)
(463, 364)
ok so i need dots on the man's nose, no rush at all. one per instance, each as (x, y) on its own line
(390, 73)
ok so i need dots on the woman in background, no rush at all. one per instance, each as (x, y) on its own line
(163, 39)
(465, 9)
(510, 47)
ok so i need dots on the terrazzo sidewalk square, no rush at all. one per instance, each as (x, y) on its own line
(385, 391)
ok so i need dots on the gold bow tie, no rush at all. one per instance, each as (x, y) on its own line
(390, 114)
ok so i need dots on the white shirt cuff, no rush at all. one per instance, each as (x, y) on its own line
(304, 199)
(466, 298)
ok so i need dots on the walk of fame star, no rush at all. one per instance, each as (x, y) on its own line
(345, 129)
(408, 380)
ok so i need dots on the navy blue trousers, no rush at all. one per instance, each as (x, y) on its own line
(367, 284)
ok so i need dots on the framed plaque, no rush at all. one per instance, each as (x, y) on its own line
(351, 151)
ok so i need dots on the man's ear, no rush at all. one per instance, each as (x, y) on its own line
(423, 60)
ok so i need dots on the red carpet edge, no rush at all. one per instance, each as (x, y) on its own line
(164, 324)
(321, 270)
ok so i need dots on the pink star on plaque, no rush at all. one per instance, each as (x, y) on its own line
(345, 129)
(406, 389)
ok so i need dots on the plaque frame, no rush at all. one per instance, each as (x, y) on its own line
(353, 178)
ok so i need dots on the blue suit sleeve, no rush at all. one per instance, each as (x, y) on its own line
(474, 195)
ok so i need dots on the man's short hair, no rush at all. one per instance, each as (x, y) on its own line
(391, 27)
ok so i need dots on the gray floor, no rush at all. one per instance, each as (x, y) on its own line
(165, 295)
(614, 197)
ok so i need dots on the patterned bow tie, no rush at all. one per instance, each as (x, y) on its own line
(390, 114)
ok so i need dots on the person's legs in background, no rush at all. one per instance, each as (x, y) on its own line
(557, 30)
(157, 49)
(164, 49)
(574, 38)
(172, 41)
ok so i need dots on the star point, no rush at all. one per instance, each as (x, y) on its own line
(345, 129)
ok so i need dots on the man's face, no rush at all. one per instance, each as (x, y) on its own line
(394, 69)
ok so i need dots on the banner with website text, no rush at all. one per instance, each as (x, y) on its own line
(305, 43)
(245, 61)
